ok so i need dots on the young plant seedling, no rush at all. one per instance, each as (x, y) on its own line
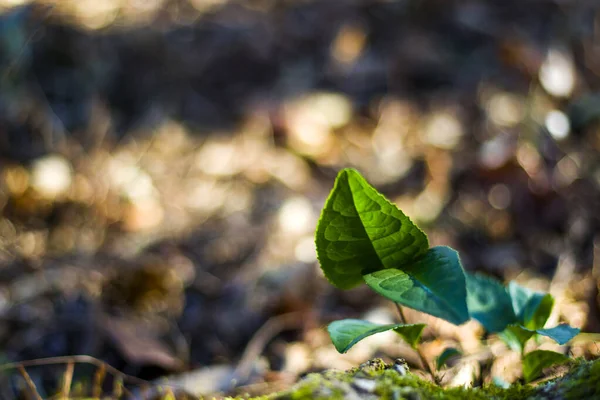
(362, 238)
(517, 314)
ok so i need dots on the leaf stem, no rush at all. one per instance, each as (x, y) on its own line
(421, 356)
(400, 313)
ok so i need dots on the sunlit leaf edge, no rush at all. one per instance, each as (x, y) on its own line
(368, 329)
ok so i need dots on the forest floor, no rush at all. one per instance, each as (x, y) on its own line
(163, 165)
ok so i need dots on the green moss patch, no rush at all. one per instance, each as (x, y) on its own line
(377, 380)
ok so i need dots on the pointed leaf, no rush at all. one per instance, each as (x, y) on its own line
(531, 308)
(515, 337)
(346, 333)
(446, 355)
(489, 303)
(536, 314)
(520, 297)
(434, 284)
(535, 362)
(360, 231)
(561, 334)
(411, 333)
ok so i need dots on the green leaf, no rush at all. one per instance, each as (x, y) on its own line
(520, 297)
(433, 284)
(347, 332)
(515, 336)
(360, 232)
(361, 235)
(446, 355)
(411, 333)
(489, 303)
(531, 308)
(537, 314)
(561, 334)
(535, 362)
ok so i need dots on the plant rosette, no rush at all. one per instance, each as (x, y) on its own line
(363, 238)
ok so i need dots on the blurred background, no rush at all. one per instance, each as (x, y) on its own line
(163, 164)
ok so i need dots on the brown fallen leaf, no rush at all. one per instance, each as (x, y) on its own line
(139, 343)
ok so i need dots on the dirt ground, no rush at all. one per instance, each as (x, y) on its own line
(163, 165)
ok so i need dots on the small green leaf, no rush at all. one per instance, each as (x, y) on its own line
(515, 336)
(433, 284)
(446, 355)
(537, 314)
(520, 297)
(489, 303)
(561, 334)
(531, 308)
(347, 332)
(411, 333)
(535, 362)
(360, 232)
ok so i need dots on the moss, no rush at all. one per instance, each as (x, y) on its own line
(319, 386)
(581, 382)
(376, 380)
(371, 367)
(393, 386)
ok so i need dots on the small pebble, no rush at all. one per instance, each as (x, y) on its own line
(400, 367)
(365, 385)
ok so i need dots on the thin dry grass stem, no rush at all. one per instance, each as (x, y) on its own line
(29, 382)
(118, 388)
(80, 359)
(67, 380)
(98, 381)
(120, 378)
(261, 338)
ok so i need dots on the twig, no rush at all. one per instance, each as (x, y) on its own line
(80, 359)
(67, 379)
(119, 377)
(118, 388)
(98, 381)
(29, 382)
(421, 356)
(262, 337)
